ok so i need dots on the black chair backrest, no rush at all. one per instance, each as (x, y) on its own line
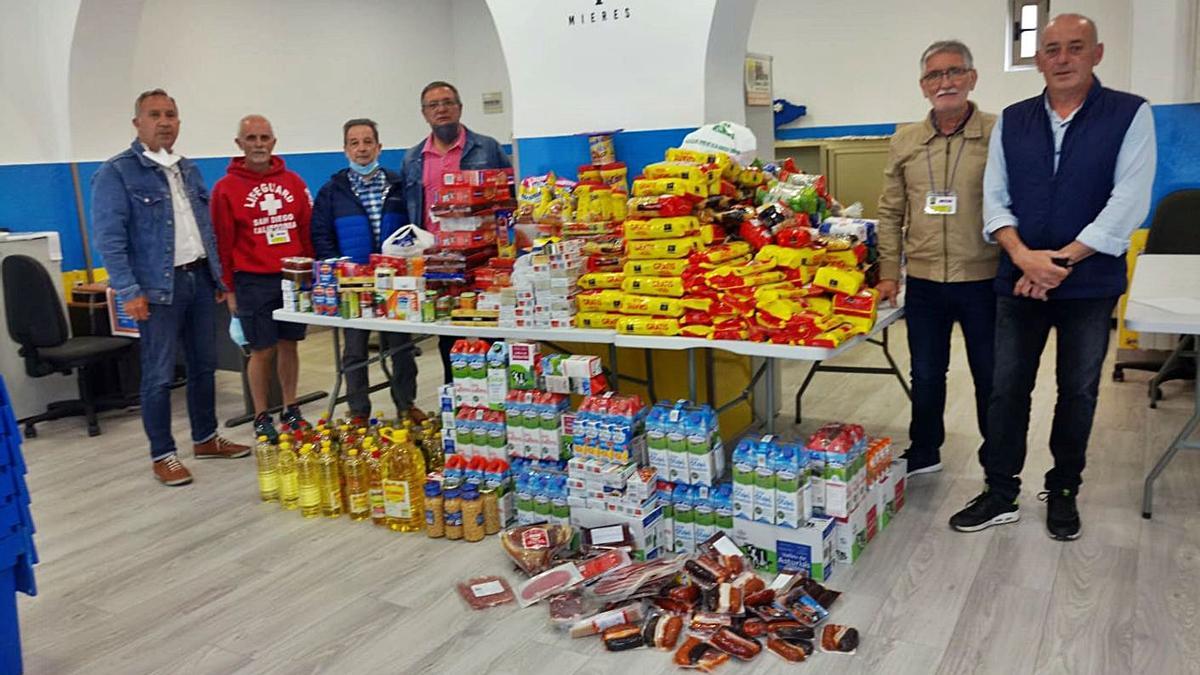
(31, 304)
(1176, 225)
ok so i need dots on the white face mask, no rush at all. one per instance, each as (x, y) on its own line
(162, 157)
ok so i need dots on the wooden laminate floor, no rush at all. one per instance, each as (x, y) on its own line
(139, 578)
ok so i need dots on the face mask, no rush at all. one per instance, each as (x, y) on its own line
(366, 170)
(162, 157)
(446, 133)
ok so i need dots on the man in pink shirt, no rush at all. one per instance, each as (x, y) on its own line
(450, 146)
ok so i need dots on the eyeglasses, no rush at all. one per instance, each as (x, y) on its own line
(937, 75)
(444, 103)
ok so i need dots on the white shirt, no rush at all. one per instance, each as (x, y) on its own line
(188, 245)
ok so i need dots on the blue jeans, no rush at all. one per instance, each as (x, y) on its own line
(191, 316)
(931, 309)
(1022, 326)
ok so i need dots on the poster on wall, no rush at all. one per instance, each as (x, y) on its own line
(758, 79)
(119, 321)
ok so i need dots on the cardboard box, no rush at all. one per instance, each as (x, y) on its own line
(522, 362)
(644, 529)
(850, 534)
(807, 550)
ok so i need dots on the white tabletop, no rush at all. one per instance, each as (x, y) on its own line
(1165, 295)
(887, 316)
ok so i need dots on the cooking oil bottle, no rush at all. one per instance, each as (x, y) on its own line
(435, 456)
(375, 469)
(308, 473)
(331, 483)
(358, 498)
(403, 486)
(289, 484)
(267, 457)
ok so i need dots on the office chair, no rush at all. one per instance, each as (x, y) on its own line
(37, 322)
(1175, 230)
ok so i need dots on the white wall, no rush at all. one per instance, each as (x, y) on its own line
(857, 62)
(479, 67)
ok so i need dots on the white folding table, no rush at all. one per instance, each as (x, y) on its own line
(1164, 297)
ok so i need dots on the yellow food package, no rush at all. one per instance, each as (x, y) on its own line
(661, 228)
(657, 268)
(684, 170)
(839, 280)
(843, 258)
(652, 306)
(615, 175)
(744, 260)
(862, 325)
(597, 320)
(751, 176)
(791, 258)
(647, 325)
(699, 331)
(819, 305)
(811, 256)
(601, 280)
(725, 253)
(618, 205)
(662, 248)
(785, 290)
(668, 286)
(599, 301)
(725, 164)
(647, 187)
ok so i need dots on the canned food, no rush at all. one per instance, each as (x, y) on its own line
(466, 300)
(443, 307)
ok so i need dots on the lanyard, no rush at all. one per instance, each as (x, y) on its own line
(953, 172)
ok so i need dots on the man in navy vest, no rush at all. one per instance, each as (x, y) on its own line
(1067, 182)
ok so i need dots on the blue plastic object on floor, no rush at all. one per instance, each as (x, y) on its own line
(17, 553)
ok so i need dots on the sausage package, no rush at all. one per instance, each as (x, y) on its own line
(668, 286)
(663, 248)
(661, 228)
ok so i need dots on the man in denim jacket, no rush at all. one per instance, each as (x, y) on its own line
(151, 219)
(450, 146)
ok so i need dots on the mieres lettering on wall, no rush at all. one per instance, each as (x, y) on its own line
(599, 16)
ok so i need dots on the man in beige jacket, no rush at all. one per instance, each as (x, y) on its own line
(930, 214)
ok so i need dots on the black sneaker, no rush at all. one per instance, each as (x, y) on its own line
(918, 465)
(1062, 517)
(264, 427)
(984, 511)
(291, 418)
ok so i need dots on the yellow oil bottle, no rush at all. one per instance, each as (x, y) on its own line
(358, 498)
(308, 474)
(331, 483)
(289, 482)
(375, 470)
(403, 485)
(266, 456)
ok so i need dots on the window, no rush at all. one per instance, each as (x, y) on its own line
(1026, 18)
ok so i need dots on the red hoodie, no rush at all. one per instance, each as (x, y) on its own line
(260, 218)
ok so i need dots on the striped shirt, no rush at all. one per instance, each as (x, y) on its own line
(371, 191)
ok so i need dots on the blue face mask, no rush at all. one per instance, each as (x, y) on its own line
(366, 170)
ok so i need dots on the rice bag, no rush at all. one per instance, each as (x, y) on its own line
(647, 325)
(657, 268)
(839, 280)
(599, 301)
(597, 320)
(661, 228)
(648, 187)
(663, 248)
(780, 256)
(696, 330)
(668, 286)
(652, 306)
(722, 253)
(601, 280)
(658, 206)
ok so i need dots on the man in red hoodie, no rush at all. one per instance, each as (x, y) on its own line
(261, 214)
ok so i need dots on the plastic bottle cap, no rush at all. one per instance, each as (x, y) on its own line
(262, 439)
(353, 452)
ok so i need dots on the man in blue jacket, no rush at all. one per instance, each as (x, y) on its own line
(1067, 182)
(353, 214)
(450, 146)
(150, 216)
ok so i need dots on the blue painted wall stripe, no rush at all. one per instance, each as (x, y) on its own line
(565, 154)
(806, 133)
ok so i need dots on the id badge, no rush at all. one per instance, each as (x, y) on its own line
(941, 203)
(279, 234)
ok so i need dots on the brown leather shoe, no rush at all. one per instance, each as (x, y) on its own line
(219, 448)
(171, 471)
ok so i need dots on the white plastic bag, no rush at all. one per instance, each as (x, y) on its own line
(408, 241)
(730, 138)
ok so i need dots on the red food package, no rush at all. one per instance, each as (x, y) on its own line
(662, 206)
(794, 236)
(863, 303)
(552, 581)
(754, 233)
(484, 592)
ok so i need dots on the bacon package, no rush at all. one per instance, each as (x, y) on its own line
(533, 547)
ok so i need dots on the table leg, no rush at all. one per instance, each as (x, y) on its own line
(710, 382)
(337, 378)
(615, 378)
(691, 374)
(1180, 443)
(770, 385)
